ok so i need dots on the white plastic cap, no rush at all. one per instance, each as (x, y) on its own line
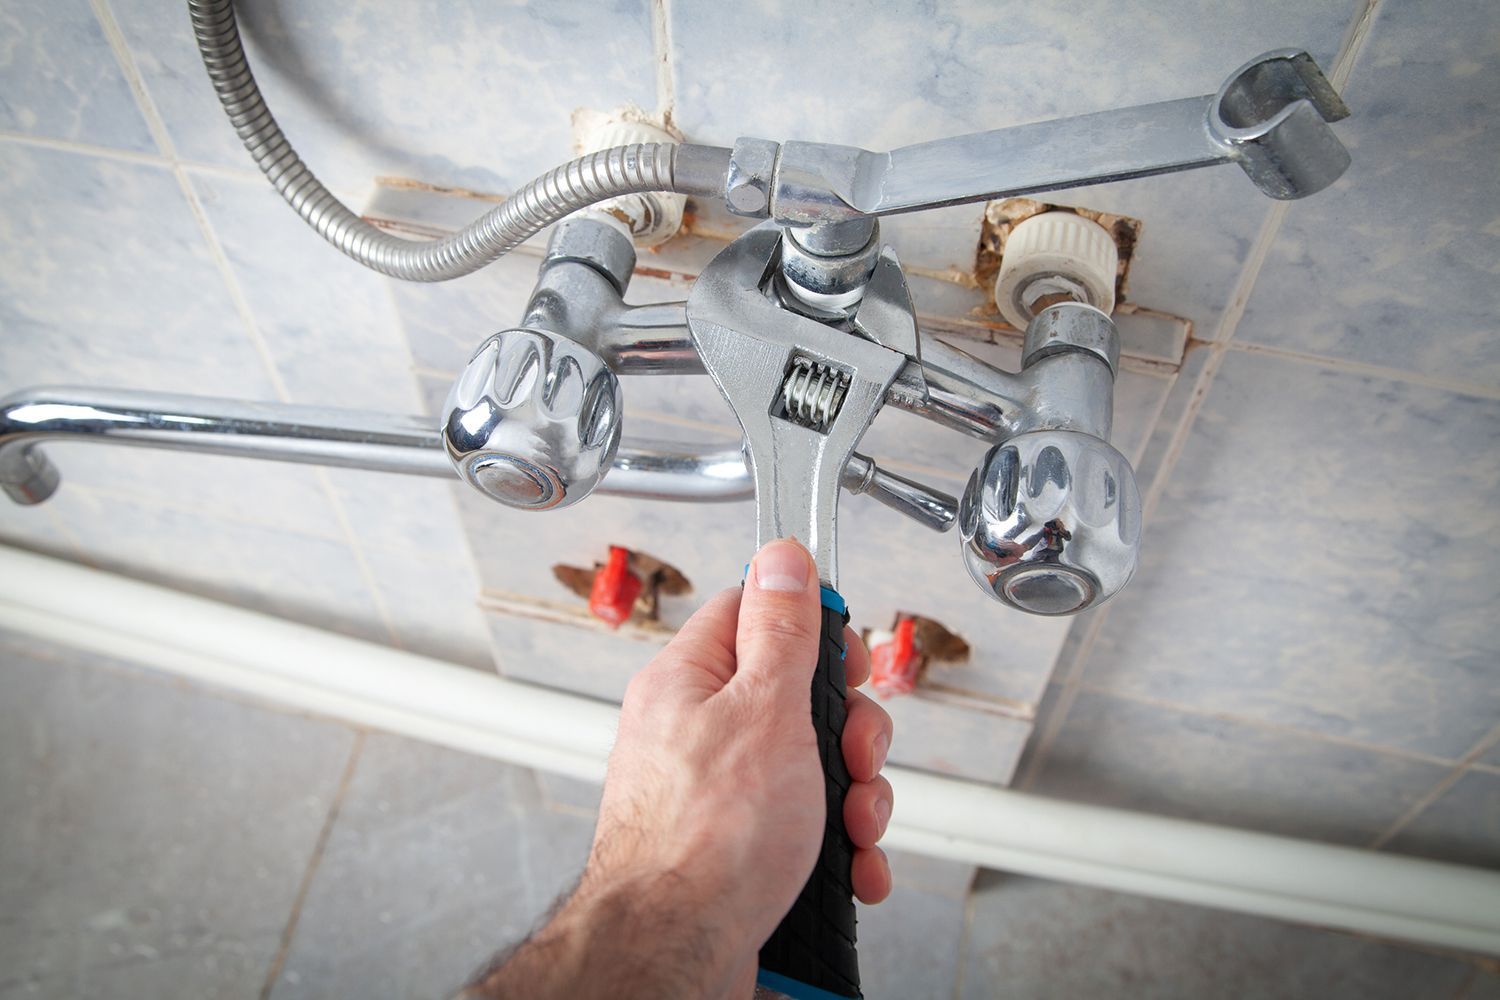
(652, 218)
(1056, 252)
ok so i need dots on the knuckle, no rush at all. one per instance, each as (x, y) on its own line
(782, 624)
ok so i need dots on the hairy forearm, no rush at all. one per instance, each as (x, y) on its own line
(616, 938)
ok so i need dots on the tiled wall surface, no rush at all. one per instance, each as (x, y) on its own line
(1309, 645)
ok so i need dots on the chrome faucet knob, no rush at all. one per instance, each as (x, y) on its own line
(1051, 522)
(534, 419)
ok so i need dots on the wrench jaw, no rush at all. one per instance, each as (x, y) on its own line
(750, 345)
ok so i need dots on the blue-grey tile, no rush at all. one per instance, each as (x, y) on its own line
(1462, 826)
(445, 321)
(330, 324)
(432, 601)
(301, 577)
(929, 874)
(400, 513)
(59, 78)
(437, 861)
(909, 945)
(905, 73)
(34, 527)
(468, 94)
(275, 495)
(105, 279)
(1029, 938)
(1324, 558)
(1179, 396)
(155, 836)
(960, 740)
(1394, 265)
(1139, 756)
(583, 659)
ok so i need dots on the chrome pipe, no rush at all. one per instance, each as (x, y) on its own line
(375, 442)
(313, 435)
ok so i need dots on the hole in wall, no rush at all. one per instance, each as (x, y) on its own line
(903, 655)
(658, 578)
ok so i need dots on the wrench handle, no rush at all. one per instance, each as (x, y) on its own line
(812, 954)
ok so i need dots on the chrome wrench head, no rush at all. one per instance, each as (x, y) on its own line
(804, 392)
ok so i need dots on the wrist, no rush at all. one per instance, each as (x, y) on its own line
(638, 934)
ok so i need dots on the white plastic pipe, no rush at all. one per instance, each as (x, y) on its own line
(375, 686)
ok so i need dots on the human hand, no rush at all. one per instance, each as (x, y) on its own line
(713, 807)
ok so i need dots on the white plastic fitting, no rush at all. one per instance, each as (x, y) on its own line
(1055, 253)
(651, 218)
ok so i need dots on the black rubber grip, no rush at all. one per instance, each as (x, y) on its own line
(814, 945)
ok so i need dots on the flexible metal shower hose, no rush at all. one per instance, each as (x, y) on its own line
(577, 184)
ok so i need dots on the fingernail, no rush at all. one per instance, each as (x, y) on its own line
(878, 751)
(781, 566)
(882, 814)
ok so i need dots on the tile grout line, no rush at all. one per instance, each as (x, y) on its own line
(1343, 65)
(415, 374)
(1346, 366)
(1485, 743)
(158, 129)
(965, 942)
(1266, 725)
(661, 51)
(288, 933)
(361, 558)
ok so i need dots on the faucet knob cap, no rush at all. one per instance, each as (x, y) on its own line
(1051, 522)
(534, 420)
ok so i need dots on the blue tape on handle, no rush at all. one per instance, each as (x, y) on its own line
(791, 987)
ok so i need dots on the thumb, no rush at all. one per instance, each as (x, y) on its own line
(777, 636)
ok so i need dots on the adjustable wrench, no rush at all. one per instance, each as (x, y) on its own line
(804, 392)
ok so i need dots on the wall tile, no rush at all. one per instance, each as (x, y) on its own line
(432, 600)
(909, 945)
(583, 660)
(1462, 826)
(329, 323)
(154, 836)
(33, 527)
(1139, 756)
(1030, 938)
(438, 860)
(400, 513)
(459, 94)
(1395, 264)
(61, 80)
(1323, 559)
(445, 321)
(311, 580)
(105, 279)
(276, 495)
